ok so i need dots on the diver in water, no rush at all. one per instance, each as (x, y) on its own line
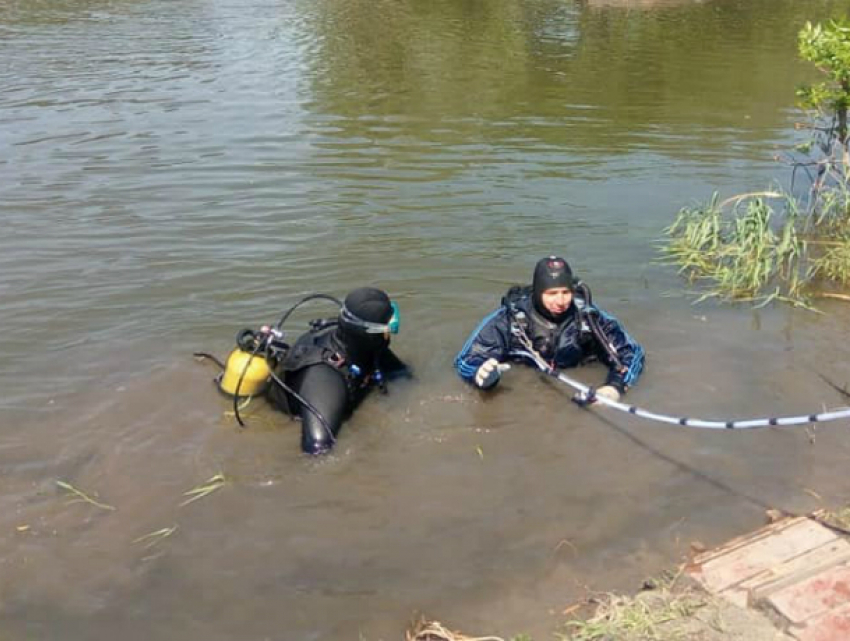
(555, 317)
(333, 366)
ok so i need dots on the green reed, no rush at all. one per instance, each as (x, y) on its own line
(761, 248)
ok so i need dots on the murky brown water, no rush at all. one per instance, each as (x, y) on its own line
(171, 172)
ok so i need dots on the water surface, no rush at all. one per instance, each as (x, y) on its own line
(175, 171)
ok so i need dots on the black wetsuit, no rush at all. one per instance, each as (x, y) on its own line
(333, 370)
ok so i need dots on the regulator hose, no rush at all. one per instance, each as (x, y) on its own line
(306, 404)
(307, 298)
(593, 324)
(209, 356)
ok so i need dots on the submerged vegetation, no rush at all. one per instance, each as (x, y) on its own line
(776, 245)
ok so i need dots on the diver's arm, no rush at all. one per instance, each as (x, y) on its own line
(392, 366)
(324, 388)
(491, 339)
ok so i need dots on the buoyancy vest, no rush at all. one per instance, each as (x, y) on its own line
(321, 345)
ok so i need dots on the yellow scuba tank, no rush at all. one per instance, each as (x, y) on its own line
(246, 373)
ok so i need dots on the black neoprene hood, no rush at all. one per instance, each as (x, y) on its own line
(550, 272)
(369, 304)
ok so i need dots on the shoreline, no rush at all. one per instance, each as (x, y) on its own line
(736, 591)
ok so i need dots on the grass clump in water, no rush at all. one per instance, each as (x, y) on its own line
(760, 248)
(773, 245)
(744, 251)
(80, 496)
(208, 487)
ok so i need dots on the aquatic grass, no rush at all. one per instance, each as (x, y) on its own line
(256, 418)
(80, 496)
(747, 249)
(772, 245)
(210, 485)
(153, 538)
(834, 263)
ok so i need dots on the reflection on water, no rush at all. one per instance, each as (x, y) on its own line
(173, 172)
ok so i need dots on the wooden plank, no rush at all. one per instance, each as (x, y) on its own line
(761, 554)
(825, 591)
(797, 569)
(747, 539)
(832, 626)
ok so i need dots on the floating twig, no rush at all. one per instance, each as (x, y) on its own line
(565, 542)
(811, 492)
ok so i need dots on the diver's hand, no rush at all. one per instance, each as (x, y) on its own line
(608, 391)
(490, 372)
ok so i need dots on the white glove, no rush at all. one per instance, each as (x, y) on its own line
(490, 372)
(608, 391)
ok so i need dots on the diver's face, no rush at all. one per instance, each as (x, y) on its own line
(556, 300)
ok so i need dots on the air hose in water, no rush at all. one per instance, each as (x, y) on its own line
(587, 395)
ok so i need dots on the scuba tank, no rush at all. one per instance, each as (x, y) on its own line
(249, 369)
(246, 372)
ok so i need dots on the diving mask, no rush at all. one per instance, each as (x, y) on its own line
(369, 327)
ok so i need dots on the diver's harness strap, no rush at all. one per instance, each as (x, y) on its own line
(585, 395)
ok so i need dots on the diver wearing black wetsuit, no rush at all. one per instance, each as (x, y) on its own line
(334, 366)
